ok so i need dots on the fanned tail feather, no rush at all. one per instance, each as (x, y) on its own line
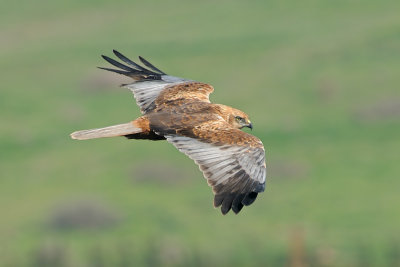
(110, 131)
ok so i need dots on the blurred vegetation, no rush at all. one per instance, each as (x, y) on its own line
(320, 80)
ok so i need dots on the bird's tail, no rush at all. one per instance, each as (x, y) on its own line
(110, 131)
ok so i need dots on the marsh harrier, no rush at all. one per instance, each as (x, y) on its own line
(179, 110)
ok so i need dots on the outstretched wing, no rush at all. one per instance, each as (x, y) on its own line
(232, 161)
(153, 88)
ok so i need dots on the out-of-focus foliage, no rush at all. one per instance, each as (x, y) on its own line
(320, 80)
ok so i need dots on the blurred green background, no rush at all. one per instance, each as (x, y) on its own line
(320, 80)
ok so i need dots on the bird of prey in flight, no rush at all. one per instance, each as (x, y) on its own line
(179, 110)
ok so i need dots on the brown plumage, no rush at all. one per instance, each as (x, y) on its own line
(179, 111)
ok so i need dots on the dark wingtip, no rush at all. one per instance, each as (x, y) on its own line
(116, 71)
(237, 208)
(129, 62)
(234, 201)
(260, 188)
(218, 200)
(227, 203)
(118, 64)
(249, 198)
(237, 203)
(118, 54)
(224, 211)
(132, 69)
(151, 66)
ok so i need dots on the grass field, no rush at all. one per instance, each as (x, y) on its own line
(320, 80)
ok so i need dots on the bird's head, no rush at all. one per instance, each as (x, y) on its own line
(238, 119)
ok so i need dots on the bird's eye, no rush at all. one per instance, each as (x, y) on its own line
(240, 119)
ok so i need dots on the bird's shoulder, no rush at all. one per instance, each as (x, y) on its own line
(184, 93)
(219, 132)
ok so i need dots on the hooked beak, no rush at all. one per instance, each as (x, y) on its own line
(250, 126)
